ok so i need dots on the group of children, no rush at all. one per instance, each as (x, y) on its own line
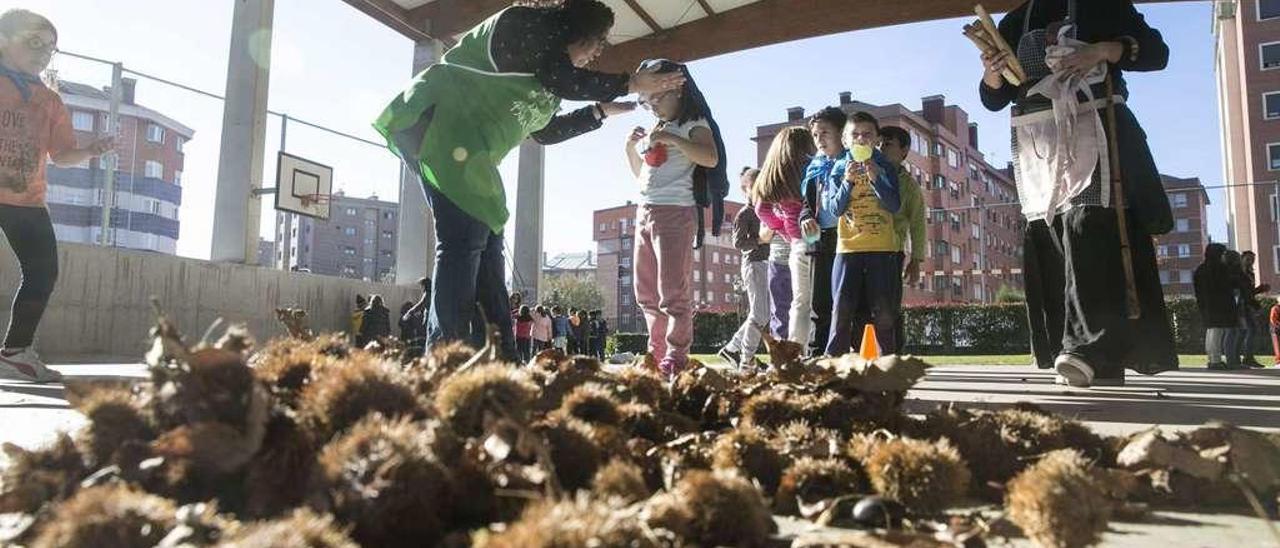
(544, 327)
(1226, 296)
(833, 201)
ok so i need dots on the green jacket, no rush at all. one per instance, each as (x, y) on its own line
(911, 217)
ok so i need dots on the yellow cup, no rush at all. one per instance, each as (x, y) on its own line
(861, 153)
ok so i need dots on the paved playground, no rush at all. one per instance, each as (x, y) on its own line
(30, 414)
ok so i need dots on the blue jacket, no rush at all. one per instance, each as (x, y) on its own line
(560, 326)
(815, 187)
(885, 186)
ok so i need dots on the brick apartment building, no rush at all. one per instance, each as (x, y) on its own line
(974, 225)
(1179, 252)
(715, 274)
(358, 241)
(1247, 68)
(148, 186)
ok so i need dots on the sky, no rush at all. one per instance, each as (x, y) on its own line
(335, 66)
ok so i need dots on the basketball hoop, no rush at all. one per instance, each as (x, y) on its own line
(309, 200)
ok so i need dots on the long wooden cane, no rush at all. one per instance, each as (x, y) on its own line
(1132, 306)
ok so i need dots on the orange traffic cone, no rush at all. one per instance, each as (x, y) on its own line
(870, 346)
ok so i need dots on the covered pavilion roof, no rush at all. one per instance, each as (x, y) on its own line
(686, 30)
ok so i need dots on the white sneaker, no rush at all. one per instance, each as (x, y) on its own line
(27, 366)
(1076, 372)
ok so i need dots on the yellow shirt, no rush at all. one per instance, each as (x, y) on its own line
(866, 226)
(911, 216)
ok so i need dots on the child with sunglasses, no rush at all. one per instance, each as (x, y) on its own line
(34, 127)
(666, 161)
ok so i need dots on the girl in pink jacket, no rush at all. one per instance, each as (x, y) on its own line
(778, 204)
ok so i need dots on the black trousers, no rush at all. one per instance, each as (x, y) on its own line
(824, 258)
(30, 234)
(1076, 295)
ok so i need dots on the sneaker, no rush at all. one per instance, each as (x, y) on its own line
(730, 356)
(27, 366)
(1253, 364)
(1075, 370)
(670, 367)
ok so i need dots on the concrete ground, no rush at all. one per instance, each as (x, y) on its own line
(31, 414)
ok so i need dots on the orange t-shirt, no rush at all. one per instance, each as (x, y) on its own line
(29, 133)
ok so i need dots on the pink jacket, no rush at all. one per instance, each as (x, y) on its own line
(541, 327)
(782, 218)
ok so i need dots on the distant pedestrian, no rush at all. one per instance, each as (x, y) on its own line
(1215, 303)
(582, 333)
(1250, 310)
(560, 328)
(376, 323)
(541, 329)
(599, 334)
(357, 320)
(741, 350)
(524, 333)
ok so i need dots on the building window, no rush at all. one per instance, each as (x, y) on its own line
(1164, 276)
(697, 295)
(349, 251)
(349, 231)
(153, 207)
(728, 298)
(1271, 105)
(711, 296)
(155, 133)
(715, 257)
(350, 211)
(388, 215)
(153, 170)
(728, 279)
(1273, 156)
(1184, 250)
(955, 255)
(697, 275)
(953, 158)
(82, 121)
(1178, 199)
(1269, 53)
(1162, 251)
(177, 178)
(349, 271)
(1184, 276)
(180, 143)
(388, 234)
(1268, 9)
(1181, 225)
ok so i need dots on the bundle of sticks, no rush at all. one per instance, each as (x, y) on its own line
(984, 34)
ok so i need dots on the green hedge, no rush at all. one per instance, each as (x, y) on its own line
(959, 330)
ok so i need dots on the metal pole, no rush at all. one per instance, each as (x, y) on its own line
(982, 255)
(284, 131)
(113, 160)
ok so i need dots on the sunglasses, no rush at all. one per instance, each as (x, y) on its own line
(655, 99)
(34, 43)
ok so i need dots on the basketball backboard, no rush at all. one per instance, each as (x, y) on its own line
(303, 186)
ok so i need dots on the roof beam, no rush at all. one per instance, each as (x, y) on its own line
(769, 22)
(706, 8)
(391, 15)
(644, 15)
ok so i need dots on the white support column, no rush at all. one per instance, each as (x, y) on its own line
(236, 211)
(416, 233)
(527, 255)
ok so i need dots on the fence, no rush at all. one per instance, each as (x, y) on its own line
(163, 172)
(961, 330)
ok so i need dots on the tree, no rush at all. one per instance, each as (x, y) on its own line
(572, 292)
(1009, 295)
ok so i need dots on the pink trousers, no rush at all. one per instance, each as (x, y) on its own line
(663, 263)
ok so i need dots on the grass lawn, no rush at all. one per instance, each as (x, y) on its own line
(1186, 360)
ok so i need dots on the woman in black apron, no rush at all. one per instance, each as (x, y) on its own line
(1074, 53)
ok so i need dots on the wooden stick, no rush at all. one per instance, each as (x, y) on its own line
(977, 35)
(1132, 306)
(993, 31)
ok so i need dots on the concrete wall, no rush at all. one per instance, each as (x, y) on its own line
(101, 309)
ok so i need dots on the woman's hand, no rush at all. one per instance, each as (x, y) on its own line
(994, 64)
(616, 108)
(101, 145)
(1090, 56)
(648, 83)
